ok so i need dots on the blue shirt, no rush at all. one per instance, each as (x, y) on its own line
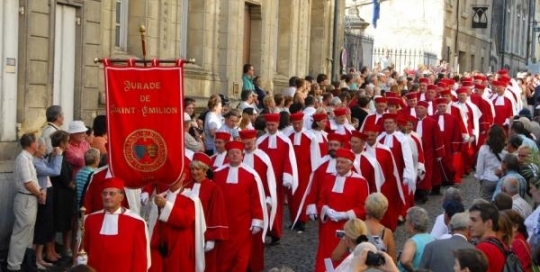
(47, 168)
(80, 181)
(247, 83)
(420, 240)
(521, 180)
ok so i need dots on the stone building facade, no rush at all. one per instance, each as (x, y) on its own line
(48, 49)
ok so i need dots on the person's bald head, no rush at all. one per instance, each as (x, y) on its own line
(510, 186)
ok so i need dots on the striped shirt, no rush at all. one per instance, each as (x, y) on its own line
(80, 181)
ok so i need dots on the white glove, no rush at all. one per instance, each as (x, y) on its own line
(287, 184)
(340, 216)
(144, 198)
(312, 217)
(82, 259)
(209, 245)
(255, 229)
(411, 185)
(330, 214)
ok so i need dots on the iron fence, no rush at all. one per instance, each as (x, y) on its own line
(403, 58)
(359, 49)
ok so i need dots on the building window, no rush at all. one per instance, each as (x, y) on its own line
(121, 23)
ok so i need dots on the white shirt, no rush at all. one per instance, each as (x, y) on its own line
(439, 228)
(531, 221)
(290, 91)
(487, 164)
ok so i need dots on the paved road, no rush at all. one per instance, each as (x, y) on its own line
(298, 250)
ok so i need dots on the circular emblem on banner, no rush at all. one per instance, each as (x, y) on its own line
(145, 150)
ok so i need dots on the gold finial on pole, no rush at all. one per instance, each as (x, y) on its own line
(142, 30)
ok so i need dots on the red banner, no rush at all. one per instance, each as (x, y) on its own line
(145, 122)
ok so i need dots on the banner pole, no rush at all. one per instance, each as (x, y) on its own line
(142, 30)
(192, 61)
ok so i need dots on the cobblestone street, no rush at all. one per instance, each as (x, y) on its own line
(297, 250)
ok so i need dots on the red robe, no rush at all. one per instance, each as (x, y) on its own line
(367, 166)
(244, 195)
(373, 119)
(215, 215)
(306, 150)
(181, 226)
(327, 166)
(503, 111)
(452, 140)
(391, 188)
(433, 148)
(127, 250)
(407, 111)
(401, 149)
(342, 194)
(322, 139)
(486, 107)
(342, 129)
(93, 201)
(470, 116)
(260, 162)
(219, 160)
(284, 163)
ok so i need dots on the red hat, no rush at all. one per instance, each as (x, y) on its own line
(445, 92)
(319, 116)
(389, 116)
(297, 116)
(246, 134)
(502, 72)
(441, 100)
(423, 80)
(370, 127)
(332, 136)
(466, 79)
(340, 111)
(432, 87)
(113, 182)
(462, 91)
(394, 101)
(498, 83)
(442, 85)
(359, 135)
(412, 95)
(467, 84)
(222, 135)
(479, 86)
(380, 99)
(401, 121)
(410, 119)
(504, 78)
(390, 94)
(423, 103)
(203, 158)
(480, 77)
(345, 153)
(234, 145)
(272, 117)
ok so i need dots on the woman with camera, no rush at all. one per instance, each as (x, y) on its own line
(354, 232)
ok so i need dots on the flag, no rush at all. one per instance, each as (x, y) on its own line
(145, 122)
(376, 12)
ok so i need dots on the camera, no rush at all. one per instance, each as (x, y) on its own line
(374, 259)
(340, 234)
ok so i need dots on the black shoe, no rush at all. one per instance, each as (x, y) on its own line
(275, 241)
(436, 190)
(300, 226)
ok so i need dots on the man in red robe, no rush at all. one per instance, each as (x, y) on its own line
(92, 199)
(431, 95)
(375, 119)
(470, 116)
(433, 148)
(220, 157)
(213, 205)
(486, 108)
(260, 162)
(391, 188)
(177, 225)
(306, 150)
(340, 125)
(115, 238)
(341, 198)
(504, 111)
(412, 99)
(246, 210)
(422, 88)
(280, 150)
(451, 139)
(326, 166)
(365, 164)
(401, 149)
(394, 105)
(320, 135)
